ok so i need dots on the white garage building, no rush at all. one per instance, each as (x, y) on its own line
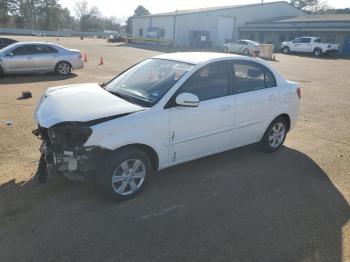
(208, 27)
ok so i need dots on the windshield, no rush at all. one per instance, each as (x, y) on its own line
(147, 82)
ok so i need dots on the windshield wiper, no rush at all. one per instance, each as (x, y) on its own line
(122, 96)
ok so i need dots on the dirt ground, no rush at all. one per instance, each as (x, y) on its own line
(241, 205)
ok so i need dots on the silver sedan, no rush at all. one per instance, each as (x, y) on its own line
(31, 57)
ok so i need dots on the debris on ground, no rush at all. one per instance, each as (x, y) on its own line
(25, 95)
(9, 123)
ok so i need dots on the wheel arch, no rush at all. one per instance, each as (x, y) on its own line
(60, 61)
(286, 118)
(153, 155)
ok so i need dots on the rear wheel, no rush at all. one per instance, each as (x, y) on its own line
(275, 135)
(246, 52)
(124, 173)
(285, 50)
(317, 52)
(63, 68)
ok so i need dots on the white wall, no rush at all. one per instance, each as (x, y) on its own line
(208, 21)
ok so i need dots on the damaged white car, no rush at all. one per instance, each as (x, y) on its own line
(161, 112)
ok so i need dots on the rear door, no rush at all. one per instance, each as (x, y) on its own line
(45, 58)
(256, 99)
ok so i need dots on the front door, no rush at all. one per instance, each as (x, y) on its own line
(256, 99)
(206, 129)
(20, 59)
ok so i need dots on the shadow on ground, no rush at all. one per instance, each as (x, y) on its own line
(242, 205)
(32, 78)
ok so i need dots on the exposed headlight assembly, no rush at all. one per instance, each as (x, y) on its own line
(69, 134)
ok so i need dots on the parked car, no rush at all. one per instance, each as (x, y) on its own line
(38, 34)
(31, 57)
(312, 45)
(245, 47)
(6, 41)
(164, 111)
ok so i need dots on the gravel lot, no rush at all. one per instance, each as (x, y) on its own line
(241, 205)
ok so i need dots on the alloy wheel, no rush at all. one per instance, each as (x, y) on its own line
(277, 134)
(128, 177)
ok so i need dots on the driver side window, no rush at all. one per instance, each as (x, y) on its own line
(209, 82)
(24, 50)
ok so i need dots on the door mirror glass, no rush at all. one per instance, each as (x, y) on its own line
(187, 99)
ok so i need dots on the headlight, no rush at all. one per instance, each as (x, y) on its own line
(69, 135)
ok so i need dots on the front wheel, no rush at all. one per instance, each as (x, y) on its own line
(123, 174)
(1, 71)
(275, 135)
(63, 68)
(285, 50)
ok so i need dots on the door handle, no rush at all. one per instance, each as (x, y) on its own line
(224, 107)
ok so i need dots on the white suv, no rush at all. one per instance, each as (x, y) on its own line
(164, 111)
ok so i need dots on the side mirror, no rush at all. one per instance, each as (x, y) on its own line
(187, 99)
(10, 54)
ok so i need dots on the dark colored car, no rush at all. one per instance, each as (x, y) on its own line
(5, 42)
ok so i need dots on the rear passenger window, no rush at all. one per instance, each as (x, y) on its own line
(45, 49)
(250, 76)
(209, 82)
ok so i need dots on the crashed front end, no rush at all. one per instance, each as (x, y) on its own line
(63, 151)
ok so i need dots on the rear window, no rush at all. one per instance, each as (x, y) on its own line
(250, 76)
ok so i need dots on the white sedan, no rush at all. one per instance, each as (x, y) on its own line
(164, 111)
(245, 47)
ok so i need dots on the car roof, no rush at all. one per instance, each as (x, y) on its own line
(197, 57)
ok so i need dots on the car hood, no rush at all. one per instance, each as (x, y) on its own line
(80, 103)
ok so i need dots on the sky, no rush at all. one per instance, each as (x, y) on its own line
(125, 8)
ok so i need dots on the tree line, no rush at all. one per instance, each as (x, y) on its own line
(50, 15)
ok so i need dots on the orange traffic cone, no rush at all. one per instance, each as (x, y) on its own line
(85, 58)
(101, 61)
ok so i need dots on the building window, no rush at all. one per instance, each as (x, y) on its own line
(161, 32)
(140, 31)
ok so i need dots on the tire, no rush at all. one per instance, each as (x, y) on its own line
(274, 135)
(63, 68)
(286, 50)
(317, 52)
(1, 71)
(246, 52)
(118, 167)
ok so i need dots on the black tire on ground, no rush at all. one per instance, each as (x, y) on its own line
(246, 52)
(317, 52)
(266, 142)
(1, 71)
(63, 68)
(285, 50)
(110, 164)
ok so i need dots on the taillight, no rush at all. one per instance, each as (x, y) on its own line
(299, 92)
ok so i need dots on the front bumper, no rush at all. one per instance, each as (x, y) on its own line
(332, 51)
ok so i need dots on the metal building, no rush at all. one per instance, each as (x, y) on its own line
(331, 28)
(208, 27)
